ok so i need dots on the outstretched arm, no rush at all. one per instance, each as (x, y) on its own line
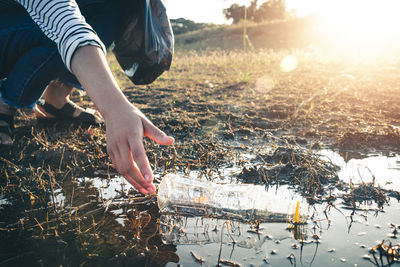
(84, 54)
(125, 124)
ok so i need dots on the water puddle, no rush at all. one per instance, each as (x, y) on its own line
(339, 237)
(334, 233)
(383, 170)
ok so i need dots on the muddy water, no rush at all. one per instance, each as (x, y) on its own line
(334, 235)
(341, 242)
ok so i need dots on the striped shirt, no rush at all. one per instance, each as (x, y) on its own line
(62, 22)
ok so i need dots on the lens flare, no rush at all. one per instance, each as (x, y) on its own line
(264, 84)
(289, 63)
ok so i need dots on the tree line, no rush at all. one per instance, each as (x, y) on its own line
(269, 10)
(182, 25)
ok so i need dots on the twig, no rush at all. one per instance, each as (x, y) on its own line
(52, 193)
(38, 223)
(198, 259)
(220, 247)
(61, 160)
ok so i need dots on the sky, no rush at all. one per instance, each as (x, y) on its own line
(211, 10)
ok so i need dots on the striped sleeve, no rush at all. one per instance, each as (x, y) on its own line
(62, 22)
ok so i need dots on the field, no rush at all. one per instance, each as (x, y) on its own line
(262, 113)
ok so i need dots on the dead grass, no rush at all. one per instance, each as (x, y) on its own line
(219, 105)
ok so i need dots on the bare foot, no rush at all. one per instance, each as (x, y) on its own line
(57, 95)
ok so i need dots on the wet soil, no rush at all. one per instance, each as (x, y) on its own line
(279, 118)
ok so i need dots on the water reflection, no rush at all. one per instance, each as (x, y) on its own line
(332, 236)
(242, 241)
(185, 230)
(383, 171)
(84, 225)
(103, 222)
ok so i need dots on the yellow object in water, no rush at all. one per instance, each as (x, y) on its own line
(296, 215)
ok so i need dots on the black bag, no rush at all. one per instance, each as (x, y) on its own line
(145, 47)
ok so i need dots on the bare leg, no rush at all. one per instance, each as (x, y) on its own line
(57, 94)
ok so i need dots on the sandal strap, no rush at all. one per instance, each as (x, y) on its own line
(9, 119)
(86, 117)
(6, 129)
(68, 109)
(67, 112)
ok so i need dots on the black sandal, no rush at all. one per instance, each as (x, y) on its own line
(7, 129)
(67, 111)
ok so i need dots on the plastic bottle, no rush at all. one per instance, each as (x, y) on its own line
(185, 196)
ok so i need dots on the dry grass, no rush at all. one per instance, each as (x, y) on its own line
(219, 105)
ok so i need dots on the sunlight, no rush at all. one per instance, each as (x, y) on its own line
(359, 23)
(368, 17)
(289, 63)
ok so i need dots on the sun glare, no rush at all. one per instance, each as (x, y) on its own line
(289, 63)
(362, 24)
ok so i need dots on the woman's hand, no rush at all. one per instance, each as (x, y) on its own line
(126, 126)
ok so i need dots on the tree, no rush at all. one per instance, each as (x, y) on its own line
(270, 10)
(234, 12)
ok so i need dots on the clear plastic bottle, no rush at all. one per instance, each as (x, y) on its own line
(182, 195)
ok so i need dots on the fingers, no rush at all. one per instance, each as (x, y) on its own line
(148, 190)
(125, 146)
(140, 157)
(156, 134)
(122, 157)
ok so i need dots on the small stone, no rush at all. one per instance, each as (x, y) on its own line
(332, 250)
(277, 241)
(343, 260)
(363, 246)
(269, 237)
(274, 252)
(316, 237)
(295, 246)
(366, 257)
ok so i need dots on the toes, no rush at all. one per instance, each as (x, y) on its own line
(99, 118)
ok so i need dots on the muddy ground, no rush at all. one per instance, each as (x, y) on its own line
(218, 106)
